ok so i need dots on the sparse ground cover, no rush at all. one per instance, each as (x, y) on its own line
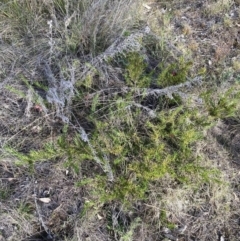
(119, 120)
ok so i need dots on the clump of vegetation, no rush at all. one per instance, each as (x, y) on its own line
(224, 105)
(174, 73)
(135, 71)
(106, 124)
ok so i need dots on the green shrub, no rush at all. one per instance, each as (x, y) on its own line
(139, 151)
(224, 105)
(135, 71)
(174, 73)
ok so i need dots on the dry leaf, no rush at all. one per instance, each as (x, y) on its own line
(235, 197)
(45, 200)
(146, 6)
(68, 21)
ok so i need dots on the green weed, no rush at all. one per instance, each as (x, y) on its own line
(135, 71)
(128, 235)
(174, 73)
(4, 193)
(224, 105)
(139, 151)
(25, 209)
